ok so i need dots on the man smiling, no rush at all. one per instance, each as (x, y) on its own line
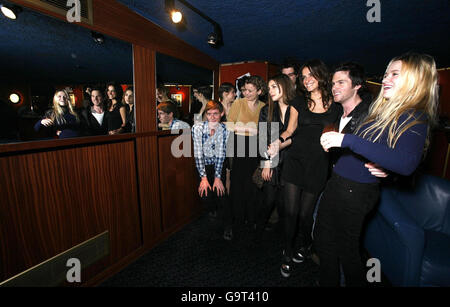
(348, 88)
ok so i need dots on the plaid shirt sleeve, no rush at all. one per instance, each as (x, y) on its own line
(221, 151)
(197, 135)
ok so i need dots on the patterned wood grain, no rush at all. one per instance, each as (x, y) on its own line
(178, 184)
(145, 89)
(147, 153)
(57, 199)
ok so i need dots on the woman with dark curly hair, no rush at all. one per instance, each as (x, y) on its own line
(305, 168)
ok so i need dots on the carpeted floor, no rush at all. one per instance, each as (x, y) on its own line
(198, 256)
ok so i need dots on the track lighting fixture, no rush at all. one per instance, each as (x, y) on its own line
(214, 39)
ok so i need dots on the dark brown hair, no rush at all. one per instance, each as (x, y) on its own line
(320, 72)
(286, 87)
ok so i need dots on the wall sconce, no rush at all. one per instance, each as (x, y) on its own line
(10, 11)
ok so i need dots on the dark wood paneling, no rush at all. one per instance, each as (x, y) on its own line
(178, 181)
(147, 152)
(56, 194)
(145, 89)
(60, 198)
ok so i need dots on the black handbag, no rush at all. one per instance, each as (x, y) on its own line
(257, 177)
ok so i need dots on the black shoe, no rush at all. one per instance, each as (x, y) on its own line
(286, 266)
(228, 234)
(269, 227)
(299, 256)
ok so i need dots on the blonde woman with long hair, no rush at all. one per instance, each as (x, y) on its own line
(394, 135)
(61, 117)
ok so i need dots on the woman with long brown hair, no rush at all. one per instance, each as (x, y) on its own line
(305, 168)
(273, 120)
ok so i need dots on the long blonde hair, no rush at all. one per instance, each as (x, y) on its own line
(57, 113)
(416, 90)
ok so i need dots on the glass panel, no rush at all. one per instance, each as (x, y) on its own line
(43, 58)
(176, 81)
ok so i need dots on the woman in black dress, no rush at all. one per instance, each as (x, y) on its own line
(273, 119)
(305, 168)
(117, 113)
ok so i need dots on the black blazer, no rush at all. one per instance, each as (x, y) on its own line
(90, 125)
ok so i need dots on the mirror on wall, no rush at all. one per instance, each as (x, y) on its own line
(176, 81)
(54, 80)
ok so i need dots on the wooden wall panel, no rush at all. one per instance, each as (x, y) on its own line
(178, 184)
(444, 93)
(60, 198)
(230, 72)
(147, 165)
(145, 89)
(58, 194)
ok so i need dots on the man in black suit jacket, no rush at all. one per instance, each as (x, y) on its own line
(348, 89)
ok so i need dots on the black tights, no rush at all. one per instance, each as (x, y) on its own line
(298, 204)
(270, 198)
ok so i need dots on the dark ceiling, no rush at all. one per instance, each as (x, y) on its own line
(40, 48)
(332, 30)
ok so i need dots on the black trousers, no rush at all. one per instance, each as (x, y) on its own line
(213, 202)
(337, 233)
(243, 190)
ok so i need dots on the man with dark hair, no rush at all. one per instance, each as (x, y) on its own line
(348, 88)
(290, 68)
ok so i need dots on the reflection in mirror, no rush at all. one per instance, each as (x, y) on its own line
(187, 86)
(58, 82)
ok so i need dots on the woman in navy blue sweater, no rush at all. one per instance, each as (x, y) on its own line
(394, 135)
(62, 118)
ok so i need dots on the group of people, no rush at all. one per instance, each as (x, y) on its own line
(319, 141)
(106, 111)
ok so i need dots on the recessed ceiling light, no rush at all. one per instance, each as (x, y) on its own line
(176, 16)
(10, 11)
(14, 98)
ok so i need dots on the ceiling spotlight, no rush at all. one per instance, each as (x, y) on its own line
(215, 38)
(10, 11)
(212, 38)
(176, 16)
(98, 38)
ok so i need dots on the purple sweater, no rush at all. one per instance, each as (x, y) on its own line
(403, 159)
